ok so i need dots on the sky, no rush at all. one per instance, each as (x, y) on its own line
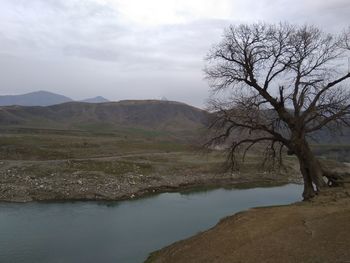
(132, 49)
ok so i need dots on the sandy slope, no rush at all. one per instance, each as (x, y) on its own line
(315, 232)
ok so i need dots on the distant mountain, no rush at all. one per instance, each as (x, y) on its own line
(144, 114)
(38, 98)
(97, 99)
(42, 98)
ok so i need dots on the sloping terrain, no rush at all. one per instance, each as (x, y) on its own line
(37, 98)
(147, 114)
(308, 232)
(42, 98)
(97, 99)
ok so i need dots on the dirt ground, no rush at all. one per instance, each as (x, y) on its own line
(121, 177)
(317, 231)
(54, 165)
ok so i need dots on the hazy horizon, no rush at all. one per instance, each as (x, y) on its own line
(131, 49)
(84, 98)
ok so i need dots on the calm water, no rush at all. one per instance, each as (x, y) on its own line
(121, 232)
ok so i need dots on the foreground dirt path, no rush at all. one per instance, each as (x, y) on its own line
(308, 232)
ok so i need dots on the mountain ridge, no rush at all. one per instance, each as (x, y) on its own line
(145, 114)
(36, 98)
(42, 98)
(97, 99)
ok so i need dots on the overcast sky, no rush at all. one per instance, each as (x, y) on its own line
(132, 49)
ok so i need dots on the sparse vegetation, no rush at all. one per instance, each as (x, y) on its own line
(57, 164)
(52, 144)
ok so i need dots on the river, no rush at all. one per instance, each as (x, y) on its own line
(125, 231)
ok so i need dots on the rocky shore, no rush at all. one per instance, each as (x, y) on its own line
(59, 180)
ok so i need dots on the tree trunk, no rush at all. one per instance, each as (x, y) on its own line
(310, 169)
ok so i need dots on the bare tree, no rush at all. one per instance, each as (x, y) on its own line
(285, 83)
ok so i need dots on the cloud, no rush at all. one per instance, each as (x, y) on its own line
(144, 48)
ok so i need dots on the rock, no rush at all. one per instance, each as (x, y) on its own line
(80, 182)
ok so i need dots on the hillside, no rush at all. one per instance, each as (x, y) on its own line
(98, 99)
(42, 98)
(37, 98)
(156, 115)
(146, 114)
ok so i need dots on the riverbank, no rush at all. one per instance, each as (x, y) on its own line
(126, 176)
(51, 165)
(126, 231)
(133, 175)
(314, 231)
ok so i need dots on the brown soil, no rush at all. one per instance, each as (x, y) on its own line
(316, 232)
